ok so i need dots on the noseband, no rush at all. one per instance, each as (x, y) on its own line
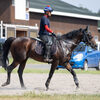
(86, 39)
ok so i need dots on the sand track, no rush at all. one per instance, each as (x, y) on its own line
(60, 84)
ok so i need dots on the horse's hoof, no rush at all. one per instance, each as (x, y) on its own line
(23, 87)
(77, 86)
(47, 86)
(5, 84)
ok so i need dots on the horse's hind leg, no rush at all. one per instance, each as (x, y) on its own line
(9, 70)
(69, 68)
(53, 67)
(20, 73)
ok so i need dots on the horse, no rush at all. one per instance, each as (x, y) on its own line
(23, 48)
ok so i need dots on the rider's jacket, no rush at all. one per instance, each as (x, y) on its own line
(43, 24)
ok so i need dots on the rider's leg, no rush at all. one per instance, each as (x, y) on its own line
(47, 52)
(48, 45)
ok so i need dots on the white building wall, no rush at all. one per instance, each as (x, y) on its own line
(20, 9)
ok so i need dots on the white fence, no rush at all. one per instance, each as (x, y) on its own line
(4, 29)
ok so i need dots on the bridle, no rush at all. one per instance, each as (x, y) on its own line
(86, 38)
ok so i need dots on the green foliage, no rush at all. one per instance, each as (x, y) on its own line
(33, 96)
(85, 9)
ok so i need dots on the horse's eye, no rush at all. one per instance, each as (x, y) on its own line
(90, 37)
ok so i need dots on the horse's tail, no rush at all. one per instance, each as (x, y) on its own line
(6, 48)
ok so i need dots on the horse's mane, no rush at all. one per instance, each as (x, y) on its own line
(71, 35)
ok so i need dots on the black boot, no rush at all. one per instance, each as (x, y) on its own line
(47, 55)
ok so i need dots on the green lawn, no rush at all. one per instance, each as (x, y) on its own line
(32, 96)
(30, 61)
(33, 70)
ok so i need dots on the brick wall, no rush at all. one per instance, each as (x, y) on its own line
(5, 10)
(63, 25)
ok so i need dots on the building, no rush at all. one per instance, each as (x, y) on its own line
(14, 19)
(22, 17)
(99, 26)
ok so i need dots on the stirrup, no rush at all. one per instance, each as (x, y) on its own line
(48, 60)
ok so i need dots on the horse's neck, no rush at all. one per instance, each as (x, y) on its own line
(76, 42)
(65, 46)
(70, 44)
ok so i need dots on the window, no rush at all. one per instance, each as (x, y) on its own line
(89, 49)
(3, 35)
(80, 47)
(27, 3)
(13, 2)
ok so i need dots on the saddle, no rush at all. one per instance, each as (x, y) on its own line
(40, 48)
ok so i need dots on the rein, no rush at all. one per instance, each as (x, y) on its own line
(85, 38)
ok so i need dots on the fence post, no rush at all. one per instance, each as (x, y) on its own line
(1, 29)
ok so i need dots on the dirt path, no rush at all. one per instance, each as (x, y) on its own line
(60, 84)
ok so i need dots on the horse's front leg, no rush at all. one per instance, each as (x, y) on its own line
(69, 68)
(53, 67)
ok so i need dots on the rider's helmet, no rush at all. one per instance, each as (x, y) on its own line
(48, 8)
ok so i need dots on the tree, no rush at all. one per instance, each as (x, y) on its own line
(98, 12)
(84, 8)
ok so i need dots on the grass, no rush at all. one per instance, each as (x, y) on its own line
(33, 96)
(33, 70)
(29, 61)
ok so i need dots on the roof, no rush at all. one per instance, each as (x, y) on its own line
(62, 8)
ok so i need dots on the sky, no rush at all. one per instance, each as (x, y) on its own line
(93, 5)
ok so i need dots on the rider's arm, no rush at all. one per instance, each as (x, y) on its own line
(48, 29)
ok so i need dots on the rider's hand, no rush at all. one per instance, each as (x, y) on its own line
(53, 34)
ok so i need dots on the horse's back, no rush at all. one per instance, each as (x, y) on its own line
(20, 48)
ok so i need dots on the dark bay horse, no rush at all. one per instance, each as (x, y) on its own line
(23, 48)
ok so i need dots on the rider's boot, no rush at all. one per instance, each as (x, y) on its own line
(47, 55)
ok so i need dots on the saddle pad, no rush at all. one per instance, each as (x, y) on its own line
(39, 49)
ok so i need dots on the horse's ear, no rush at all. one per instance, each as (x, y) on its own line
(87, 27)
(80, 29)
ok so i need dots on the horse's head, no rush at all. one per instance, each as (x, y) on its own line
(79, 35)
(88, 38)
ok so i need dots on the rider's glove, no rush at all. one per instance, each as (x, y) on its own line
(54, 34)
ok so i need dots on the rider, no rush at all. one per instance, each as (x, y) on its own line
(45, 32)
